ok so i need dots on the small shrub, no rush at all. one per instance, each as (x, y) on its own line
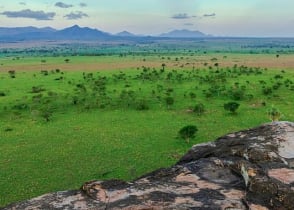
(231, 107)
(142, 105)
(199, 109)
(2, 94)
(267, 91)
(45, 72)
(274, 114)
(169, 101)
(46, 114)
(11, 73)
(20, 106)
(187, 132)
(8, 129)
(192, 95)
(37, 89)
(237, 94)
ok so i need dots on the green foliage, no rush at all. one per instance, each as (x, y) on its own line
(274, 114)
(169, 101)
(85, 108)
(142, 105)
(199, 109)
(11, 73)
(37, 89)
(231, 106)
(2, 93)
(187, 132)
(46, 114)
(267, 90)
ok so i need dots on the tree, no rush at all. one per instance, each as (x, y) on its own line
(187, 132)
(163, 66)
(231, 107)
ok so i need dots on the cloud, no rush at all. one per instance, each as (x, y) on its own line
(209, 15)
(75, 15)
(181, 16)
(83, 4)
(22, 3)
(27, 13)
(63, 5)
(188, 24)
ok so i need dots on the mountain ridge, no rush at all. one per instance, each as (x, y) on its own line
(76, 32)
(184, 33)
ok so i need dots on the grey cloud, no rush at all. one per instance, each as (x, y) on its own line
(63, 5)
(22, 3)
(83, 4)
(181, 16)
(75, 15)
(209, 15)
(27, 13)
(188, 24)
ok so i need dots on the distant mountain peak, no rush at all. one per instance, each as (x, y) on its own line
(125, 33)
(77, 32)
(184, 33)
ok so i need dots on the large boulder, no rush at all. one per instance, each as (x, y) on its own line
(250, 169)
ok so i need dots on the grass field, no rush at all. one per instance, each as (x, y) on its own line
(116, 62)
(66, 123)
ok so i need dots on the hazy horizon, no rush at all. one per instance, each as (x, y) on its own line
(251, 18)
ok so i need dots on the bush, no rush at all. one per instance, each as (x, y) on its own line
(46, 114)
(231, 107)
(267, 91)
(169, 101)
(199, 109)
(274, 114)
(237, 94)
(142, 105)
(37, 89)
(2, 93)
(187, 132)
(11, 73)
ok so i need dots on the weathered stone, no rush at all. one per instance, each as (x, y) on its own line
(251, 169)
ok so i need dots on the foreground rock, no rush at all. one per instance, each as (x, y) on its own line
(251, 169)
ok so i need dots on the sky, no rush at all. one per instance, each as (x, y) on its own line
(246, 18)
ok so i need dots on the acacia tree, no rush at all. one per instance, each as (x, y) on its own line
(163, 66)
(187, 132)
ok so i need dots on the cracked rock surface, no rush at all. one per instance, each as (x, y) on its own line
(250, 169)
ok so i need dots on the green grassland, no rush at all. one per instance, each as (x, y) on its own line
(59, 128)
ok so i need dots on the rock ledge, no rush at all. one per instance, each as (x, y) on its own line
(250, 169)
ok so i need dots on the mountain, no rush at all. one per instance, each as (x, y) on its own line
(183, 34)
(5, 31)
(32, 33)
(78, 33)
(83, 34)
(125, 34)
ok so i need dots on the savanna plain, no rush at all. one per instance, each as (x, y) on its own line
(73, 112)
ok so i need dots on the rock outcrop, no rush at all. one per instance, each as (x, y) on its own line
(250, 169)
